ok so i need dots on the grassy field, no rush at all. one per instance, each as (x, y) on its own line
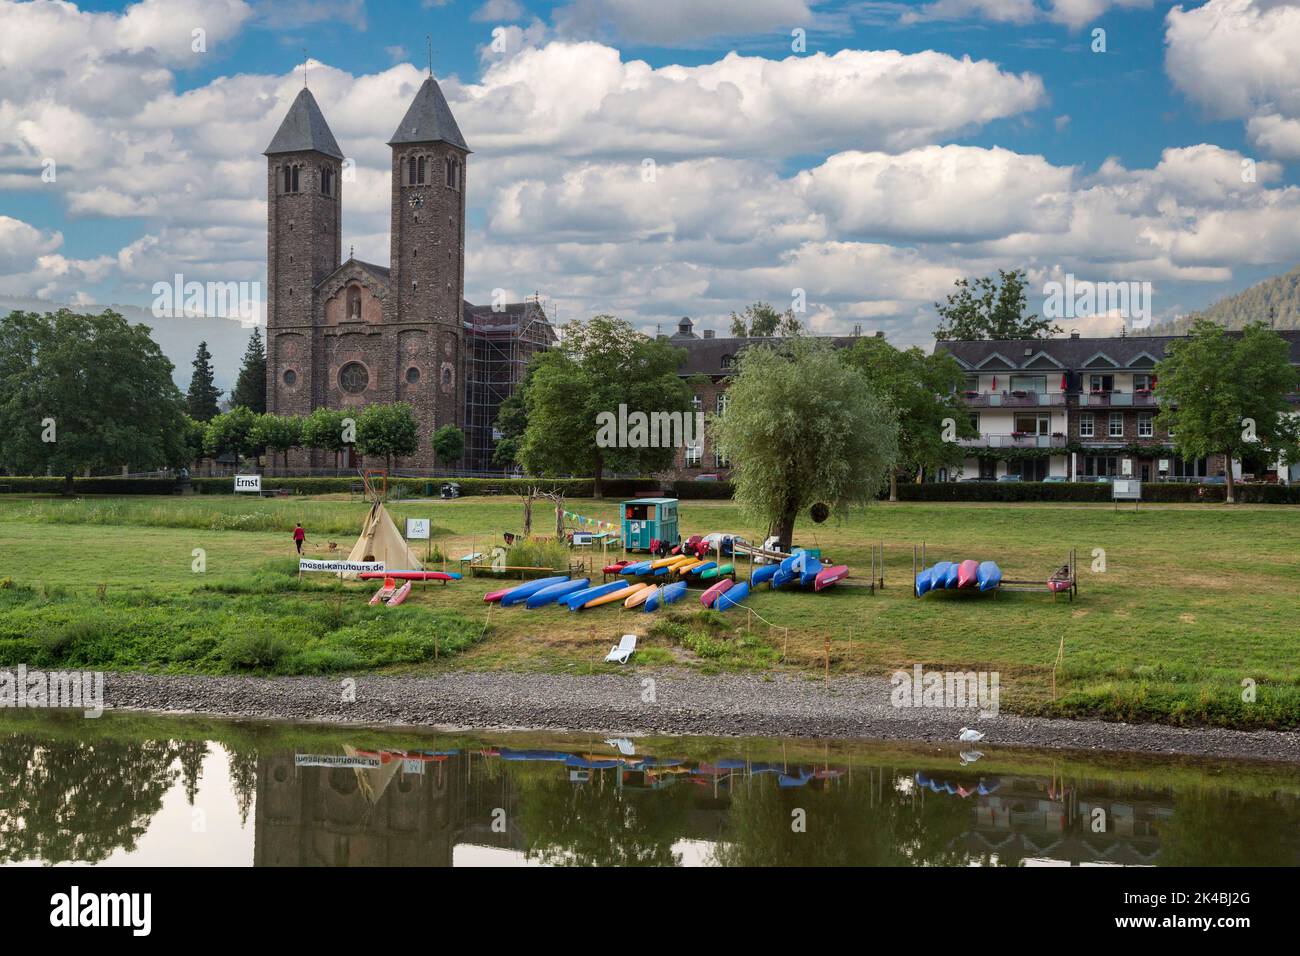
(1192, 601)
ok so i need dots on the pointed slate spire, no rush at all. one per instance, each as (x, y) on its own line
(429, 120)
(304, 128)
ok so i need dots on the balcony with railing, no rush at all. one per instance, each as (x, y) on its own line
(1014, 440)
(1016, 398)
(1142, 398)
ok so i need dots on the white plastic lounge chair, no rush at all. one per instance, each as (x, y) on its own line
(620, 654)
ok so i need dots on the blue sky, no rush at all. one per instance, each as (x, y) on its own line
(906, 145)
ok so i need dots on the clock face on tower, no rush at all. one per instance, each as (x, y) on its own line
(417, 202)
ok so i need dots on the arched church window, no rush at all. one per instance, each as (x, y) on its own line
(353, 378)
(420, 171)
(410, 171)
(326, 181)
(446, 376)
(354, 302)
(453, 173)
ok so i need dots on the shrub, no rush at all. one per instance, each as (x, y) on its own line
(258, 650)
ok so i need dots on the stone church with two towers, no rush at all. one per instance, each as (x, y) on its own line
(345, 334)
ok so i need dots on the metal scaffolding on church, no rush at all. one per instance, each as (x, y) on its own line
(501, 341)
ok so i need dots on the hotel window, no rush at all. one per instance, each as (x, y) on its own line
(1032, 424)
(972, 383)
(1085, 425)
(1142, 381)
(1101, 383)
(1116, 428)
(694, 455)
(1146, 426)
(1029, 383)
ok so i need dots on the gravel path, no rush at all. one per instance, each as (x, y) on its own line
(678, 703)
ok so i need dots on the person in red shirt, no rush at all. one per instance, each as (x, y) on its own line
(299, 535)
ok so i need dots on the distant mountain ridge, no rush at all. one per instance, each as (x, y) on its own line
(1281, 294)
(178, 337)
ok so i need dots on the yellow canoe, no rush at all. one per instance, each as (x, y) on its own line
(686, 566)
(636, 600)
(620, 595)
(665, 562)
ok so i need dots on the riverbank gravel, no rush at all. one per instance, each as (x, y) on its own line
(670, 702)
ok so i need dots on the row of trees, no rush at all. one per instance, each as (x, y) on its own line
(380, 431)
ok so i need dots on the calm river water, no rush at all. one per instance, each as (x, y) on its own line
(137, 789)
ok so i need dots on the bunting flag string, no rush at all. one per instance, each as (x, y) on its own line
(593, 522)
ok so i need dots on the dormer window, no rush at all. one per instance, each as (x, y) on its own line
(728, 361)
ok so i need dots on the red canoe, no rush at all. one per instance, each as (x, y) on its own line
(616, 567)
(409, 575)
(711, 595)
(493, 596)
(967, 573)
(828, 576)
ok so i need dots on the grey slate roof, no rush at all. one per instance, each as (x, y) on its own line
(429, 120)
(304, 128)
(1133, 351)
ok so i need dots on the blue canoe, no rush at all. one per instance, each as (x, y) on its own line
(706, 566)
(808, 573)
(664, 595)
(782, 576)
(765, 573)
(732, 596)
(550, 595)
(525, 591)
(641, 567)
(576, 600)
(789, 563)
(923, 581)
(950, 576)
(988, 576)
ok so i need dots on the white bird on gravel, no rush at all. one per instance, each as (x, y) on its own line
(969, 736)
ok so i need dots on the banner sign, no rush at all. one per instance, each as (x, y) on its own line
(339, 567)
(417, 528)
(251, 483)
(335, 760)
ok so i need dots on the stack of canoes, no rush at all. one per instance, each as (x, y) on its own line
(578, 594)
(953, 576)
(800, 569)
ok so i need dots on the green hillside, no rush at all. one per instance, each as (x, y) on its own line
(1279, 293)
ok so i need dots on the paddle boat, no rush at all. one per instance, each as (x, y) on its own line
(402, 594)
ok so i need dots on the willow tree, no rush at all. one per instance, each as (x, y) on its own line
(801, 427)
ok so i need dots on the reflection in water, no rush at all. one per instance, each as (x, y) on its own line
(77, 790)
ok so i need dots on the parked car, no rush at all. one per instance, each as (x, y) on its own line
(708, 477)
(1054, 478)
(1009, 478)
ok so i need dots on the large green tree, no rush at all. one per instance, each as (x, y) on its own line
(323, 430)
(232, 433)
(277, 433)
(250, 387)
(203, 395)
(990, 308)
(801, 427)
(85, 392)
(923, 390)
(388, 430)
(511, 423)
(598, 366)
(761, 320)
(448, 445)
(1226, 393)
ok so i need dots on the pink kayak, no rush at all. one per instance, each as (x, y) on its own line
(711, 595)
(493, 596)
(410, 575)
(828, 576)
(967, 574)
